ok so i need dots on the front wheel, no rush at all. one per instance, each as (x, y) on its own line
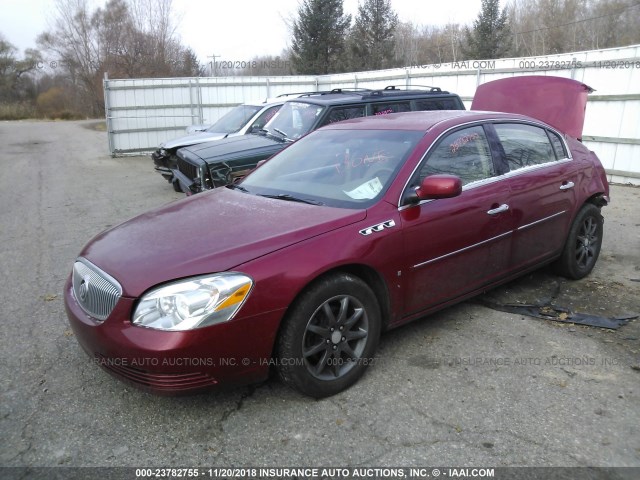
(583, 244)
(329, 337)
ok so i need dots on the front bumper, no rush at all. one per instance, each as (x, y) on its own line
(187, 185)
(229, 354)
(163, 163)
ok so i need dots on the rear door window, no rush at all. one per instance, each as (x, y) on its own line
(525, 145)
(558, 145)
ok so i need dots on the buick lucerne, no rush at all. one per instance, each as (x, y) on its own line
(359, 227)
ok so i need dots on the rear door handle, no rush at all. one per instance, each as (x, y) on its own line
(567, 185)
(502, 208)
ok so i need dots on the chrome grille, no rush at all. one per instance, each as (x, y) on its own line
(96, 291)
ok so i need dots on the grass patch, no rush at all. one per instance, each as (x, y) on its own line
(17, 111)
(98, 126)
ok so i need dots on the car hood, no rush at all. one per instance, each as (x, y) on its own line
(558, 101)
(234, 147)
(192, 139)
(211, 232)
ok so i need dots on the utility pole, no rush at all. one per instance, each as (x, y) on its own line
(212, 64)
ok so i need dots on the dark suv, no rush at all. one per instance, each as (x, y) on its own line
(218, 163)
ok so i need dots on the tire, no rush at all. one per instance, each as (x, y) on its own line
(329, 337)
(583, 244)
(176, 186)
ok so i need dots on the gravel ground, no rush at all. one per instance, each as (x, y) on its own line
(468, 386)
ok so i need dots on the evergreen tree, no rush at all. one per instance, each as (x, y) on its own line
(319, 33)
(491, 35)
(372, 39)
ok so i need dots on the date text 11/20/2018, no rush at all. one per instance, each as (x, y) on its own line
(315, 472)
(243, 64)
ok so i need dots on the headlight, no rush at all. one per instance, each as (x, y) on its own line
(193, 303)
(163, 152)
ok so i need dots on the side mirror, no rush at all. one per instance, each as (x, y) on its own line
(255, 128)
(439, 186)
(434, 187)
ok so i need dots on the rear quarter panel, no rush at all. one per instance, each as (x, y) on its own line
(593, 177)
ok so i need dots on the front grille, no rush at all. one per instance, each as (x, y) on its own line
(191, 171)
(96, 291)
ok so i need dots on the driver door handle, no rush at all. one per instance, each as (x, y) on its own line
(567, 185)
(502, 208)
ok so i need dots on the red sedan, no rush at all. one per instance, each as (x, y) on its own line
(359, 227)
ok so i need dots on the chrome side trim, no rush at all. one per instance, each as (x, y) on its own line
(462, 249)
(515, 173)
(523, 227)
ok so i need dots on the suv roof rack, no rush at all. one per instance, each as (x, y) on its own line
(298, 93)
(391, 89)
(429, 87)
(338, 91)
(349, 90)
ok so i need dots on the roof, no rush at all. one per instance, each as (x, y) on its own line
(418, 121)
(339, 96)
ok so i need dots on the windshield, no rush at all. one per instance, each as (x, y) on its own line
(294, 120)
(235, 119)
(340, 168)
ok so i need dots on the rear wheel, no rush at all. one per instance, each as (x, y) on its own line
(329, 337)
(583, 244)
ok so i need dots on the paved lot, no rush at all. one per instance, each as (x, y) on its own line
(466, 387)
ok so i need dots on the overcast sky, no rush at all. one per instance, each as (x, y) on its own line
(233, 30)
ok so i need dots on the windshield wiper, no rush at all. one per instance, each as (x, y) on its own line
(270, 134)
(291, 198)
(284, 135)
(235, 186)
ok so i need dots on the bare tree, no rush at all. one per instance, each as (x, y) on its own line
(542, 27)
(16, 84)
(126, 38)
